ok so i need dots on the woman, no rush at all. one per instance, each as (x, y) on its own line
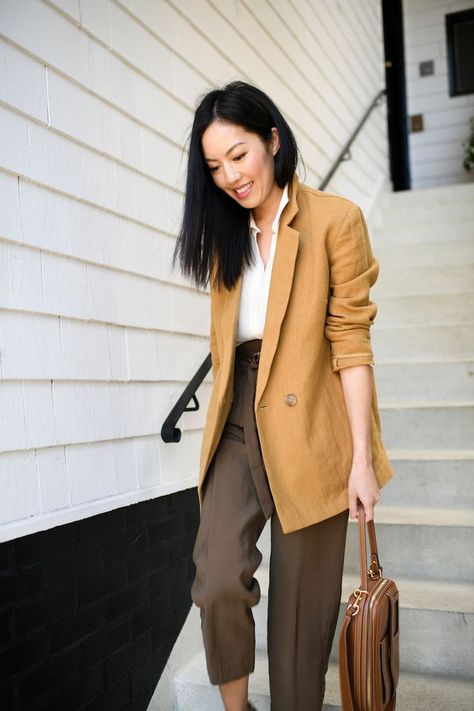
(292, 432)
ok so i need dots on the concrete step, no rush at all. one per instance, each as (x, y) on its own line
(421, 543)
(424, 309)
(445, 195)
(428, 233)
(430, 479)
(419, 213)
(415, 255)
(415, 692)
(428, 381)
(411, 281)
(435, 617)
(413, 344)
(427, 425)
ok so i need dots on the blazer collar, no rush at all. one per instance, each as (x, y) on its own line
(278, 296)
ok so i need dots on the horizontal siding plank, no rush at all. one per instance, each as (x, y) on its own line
(41, 414)
(48, 347)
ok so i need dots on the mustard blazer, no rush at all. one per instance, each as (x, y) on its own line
(317, 322)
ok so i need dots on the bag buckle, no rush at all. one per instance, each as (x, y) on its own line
(358, 593)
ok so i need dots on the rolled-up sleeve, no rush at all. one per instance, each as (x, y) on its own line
(350, 313)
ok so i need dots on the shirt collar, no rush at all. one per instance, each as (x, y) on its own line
(283, 201)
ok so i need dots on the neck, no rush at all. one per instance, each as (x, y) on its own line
(264, 214)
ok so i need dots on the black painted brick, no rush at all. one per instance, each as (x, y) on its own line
(126, 600)
(101, 645)
(83, 622)
(123, 544)
(41, 545)
(117, 698)
(48, 675)
(58, 604)
(6, 628)
(77, 692)
(106, 581)
(20, 584)
(6, 555)
(127, 659)
(91, 610)
(91, 530)
(66, 566)
(22, 654)
(147, 561)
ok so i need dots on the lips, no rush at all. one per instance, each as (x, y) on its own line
(244, 190)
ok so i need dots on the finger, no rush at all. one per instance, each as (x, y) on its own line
(369, 512)
(353, 505)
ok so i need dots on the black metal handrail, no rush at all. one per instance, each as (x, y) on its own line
(345, 153)
(169, 431)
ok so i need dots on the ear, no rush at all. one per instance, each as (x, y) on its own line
(275, 141)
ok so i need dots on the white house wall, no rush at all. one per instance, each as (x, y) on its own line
(98, 337)
(436, 153)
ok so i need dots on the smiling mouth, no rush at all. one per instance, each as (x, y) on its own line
(244, 190)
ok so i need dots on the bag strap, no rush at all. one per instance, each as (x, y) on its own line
(375, 569)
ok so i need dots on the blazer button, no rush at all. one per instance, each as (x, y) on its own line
(290, 399)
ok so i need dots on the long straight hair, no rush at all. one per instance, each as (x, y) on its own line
(214, 232)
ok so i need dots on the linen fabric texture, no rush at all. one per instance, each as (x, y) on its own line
(318, 321)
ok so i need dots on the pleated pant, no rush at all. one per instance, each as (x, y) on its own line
(305, 576)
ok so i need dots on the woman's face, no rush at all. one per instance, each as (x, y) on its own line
(239, 159)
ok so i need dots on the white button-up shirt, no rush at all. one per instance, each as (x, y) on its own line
(256, 282)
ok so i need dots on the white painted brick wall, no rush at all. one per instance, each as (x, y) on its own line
(98, 335)
(436, 153)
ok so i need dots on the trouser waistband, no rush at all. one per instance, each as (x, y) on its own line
(248, 352)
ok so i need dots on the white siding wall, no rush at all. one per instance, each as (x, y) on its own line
(98, 337)
(437, 153)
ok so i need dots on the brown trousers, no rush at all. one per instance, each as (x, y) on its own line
(305, 576)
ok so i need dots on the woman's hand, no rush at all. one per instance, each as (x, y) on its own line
(362, 485)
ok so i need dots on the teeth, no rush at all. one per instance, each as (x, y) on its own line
(244, 188)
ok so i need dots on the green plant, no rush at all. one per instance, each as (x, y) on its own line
(468, 162)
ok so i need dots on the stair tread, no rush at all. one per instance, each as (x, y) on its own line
(423, 516)
(415, 691)
(430, 454)
(415, 593)
(419, 404)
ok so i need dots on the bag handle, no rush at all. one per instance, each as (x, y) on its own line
(375, 569)
(374, 572)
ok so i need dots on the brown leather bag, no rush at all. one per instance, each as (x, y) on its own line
(369, 658)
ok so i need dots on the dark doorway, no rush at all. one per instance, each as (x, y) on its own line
(392, 14)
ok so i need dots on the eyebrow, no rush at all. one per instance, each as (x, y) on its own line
(227, 153)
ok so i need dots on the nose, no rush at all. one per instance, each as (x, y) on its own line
(233, 175)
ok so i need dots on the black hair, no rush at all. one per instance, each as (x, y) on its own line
(214, 230)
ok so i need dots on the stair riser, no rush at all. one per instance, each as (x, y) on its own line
(449, 196)
(423, 280)
(426, 233)
(435, 428)
(425, 381)
(446, 254)
(430, 640)
(424, 310)
(416, 343)
(407, 550)
(427, 483)
(418, 551)
(415, 214)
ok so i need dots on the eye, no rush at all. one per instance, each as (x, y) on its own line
(213, 170)
(242, 155)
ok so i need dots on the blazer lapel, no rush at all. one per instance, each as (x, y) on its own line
(284, 261)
